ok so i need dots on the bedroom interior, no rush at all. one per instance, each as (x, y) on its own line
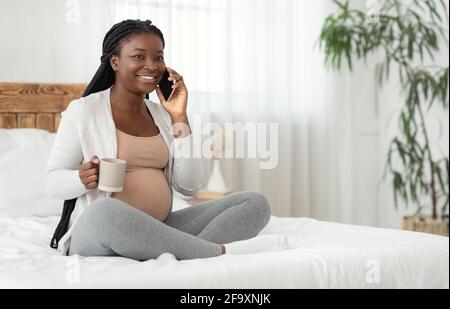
(346, 226)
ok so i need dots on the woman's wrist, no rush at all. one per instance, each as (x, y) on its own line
(180, 125)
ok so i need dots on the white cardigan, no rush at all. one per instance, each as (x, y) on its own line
(86, 129)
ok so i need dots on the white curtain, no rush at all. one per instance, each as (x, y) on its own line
(256, 61)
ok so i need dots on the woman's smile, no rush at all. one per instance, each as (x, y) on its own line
(148, 79)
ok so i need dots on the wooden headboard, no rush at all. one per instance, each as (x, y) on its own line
(35, 105)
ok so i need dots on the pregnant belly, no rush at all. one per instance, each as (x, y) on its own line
(147, 189)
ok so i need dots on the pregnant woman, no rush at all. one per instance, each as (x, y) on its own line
(114, 119)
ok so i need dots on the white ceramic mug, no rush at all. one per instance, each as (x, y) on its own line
(111, 174)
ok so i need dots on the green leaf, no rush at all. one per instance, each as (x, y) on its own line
(398, 186)
(429, 51)
(444, 207)
(413, 193)
(401, 151)
(410, 42)
(348, 55)
(433, 12)
(342, 6)
(443, 85)
(388, 67)
(437, 170)
(425, 88)
(379, 73)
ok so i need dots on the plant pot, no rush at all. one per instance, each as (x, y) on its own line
(437, 226)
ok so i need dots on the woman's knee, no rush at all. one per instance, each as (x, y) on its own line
(93, 226)
(260, 204)
(263, 206)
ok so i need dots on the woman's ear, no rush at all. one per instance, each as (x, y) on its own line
(114, 62)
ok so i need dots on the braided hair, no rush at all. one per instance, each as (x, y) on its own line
(105, 75)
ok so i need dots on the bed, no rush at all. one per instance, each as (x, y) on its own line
(321, 255)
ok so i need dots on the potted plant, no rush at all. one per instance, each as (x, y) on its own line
(405, 35)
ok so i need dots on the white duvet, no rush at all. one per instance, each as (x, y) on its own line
(324, 255)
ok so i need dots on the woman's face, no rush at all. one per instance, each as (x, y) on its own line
(140, 64)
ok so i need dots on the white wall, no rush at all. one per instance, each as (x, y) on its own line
(45, 41)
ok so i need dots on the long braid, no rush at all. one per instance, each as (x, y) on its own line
(105, 75)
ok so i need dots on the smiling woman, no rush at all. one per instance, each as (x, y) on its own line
(138, 222)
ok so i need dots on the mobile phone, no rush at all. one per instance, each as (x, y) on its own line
(166, 86)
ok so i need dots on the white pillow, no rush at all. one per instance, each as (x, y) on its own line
(23, 157)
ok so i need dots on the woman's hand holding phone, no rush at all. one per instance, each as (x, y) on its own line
(176, 103)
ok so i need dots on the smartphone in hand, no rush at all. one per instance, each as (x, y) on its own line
(166, 86)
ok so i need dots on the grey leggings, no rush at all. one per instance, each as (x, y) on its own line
(111, 227)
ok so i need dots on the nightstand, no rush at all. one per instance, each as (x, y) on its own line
(204, 196)
(194, 201)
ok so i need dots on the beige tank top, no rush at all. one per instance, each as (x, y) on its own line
(145, 185)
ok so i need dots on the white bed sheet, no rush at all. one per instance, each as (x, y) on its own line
(326, 255)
